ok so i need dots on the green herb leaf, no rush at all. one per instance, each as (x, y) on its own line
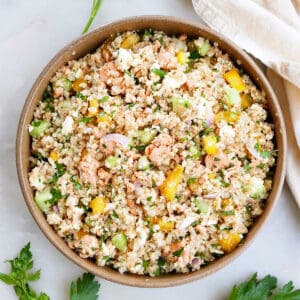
(254, 289)
(160, 73)
(191, 180)
(56, 195)
(85, 288)
(194, 55)
(178, 252)
(20, 276)
(85, 120)
(95, 8)
(104, 99)
(228, 212)
(287, 293)
(80, 96)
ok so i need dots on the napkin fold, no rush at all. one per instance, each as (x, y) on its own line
(270, 31)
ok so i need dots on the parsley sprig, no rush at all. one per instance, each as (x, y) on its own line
(84, 288)
(20, 276)
(264, 289)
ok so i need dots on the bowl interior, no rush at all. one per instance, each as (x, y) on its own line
(88, 43)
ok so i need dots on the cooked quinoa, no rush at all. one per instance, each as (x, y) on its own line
(153, 154)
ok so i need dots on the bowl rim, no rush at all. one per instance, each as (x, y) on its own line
(106, 272)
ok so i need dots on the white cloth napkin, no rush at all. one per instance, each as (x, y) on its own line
(269, 30)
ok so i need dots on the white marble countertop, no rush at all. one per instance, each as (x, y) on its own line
(32, 31)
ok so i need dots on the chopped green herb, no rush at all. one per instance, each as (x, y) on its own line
(107, 260)
(85, 120)
(248, 209)
(114, 215)
(153, 183)
(260, 166)
(104, 99)
(76, 183)
(145, 264)
(140, 148)
(60, 171)
(160, 73)
(194, 55)
(147, 32)
(80, 96)
(39, 156)
(247, 167)
(178, 253)
(227, 212)
(191, 180)
(217, 159)
(56, 195)
(131, 105)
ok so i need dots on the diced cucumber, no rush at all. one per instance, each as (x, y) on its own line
(202, 206)
(143, 163)
(204, 48)
(42, 200)
(257, 188)
(179, 105)
(146, 137)
(233, 97)
(110, 162)
(195, 151)
(38, 128)
(66, 84)
(120, 241)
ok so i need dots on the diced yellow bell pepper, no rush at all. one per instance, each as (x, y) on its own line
(182, 57)
(166, 225)
(93, 108)
(234, 79)
(246, 100)
(98, 205)
(225, 202)
(212, 175)
(77, 84)
(228, 116)
(210, 144)
(54, 155)
(230, 241)
(103, 118)
(130, 41)
(170, 186)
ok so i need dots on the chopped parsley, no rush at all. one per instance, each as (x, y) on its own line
(178, 253)
(161, 73)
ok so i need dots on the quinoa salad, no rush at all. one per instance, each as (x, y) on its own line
(154, 154)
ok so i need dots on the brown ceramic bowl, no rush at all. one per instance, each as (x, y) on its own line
(89, 43)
